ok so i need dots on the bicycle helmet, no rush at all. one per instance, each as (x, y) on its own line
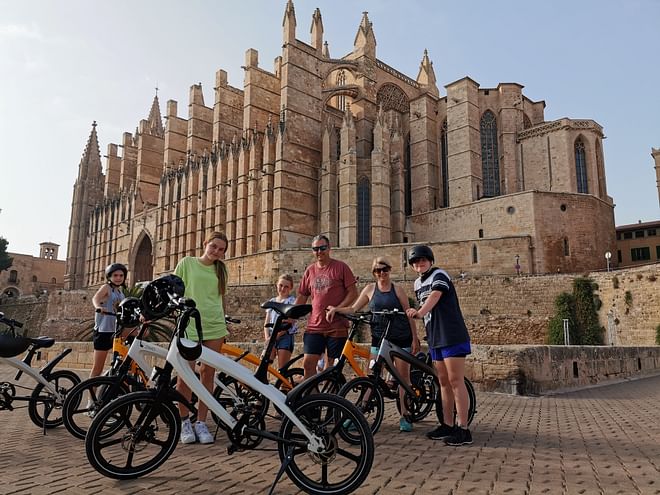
(157, 295)
(110, 269)
(418, 252)
(128, 313)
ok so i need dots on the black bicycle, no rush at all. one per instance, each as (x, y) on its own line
(422, 391)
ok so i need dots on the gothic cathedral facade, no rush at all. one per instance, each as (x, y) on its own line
(352, 148)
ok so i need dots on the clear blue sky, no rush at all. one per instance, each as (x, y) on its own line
(64, 64)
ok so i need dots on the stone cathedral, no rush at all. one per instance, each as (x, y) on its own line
(352, 148)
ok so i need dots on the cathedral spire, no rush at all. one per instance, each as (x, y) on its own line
(326, 50)
(426, 75)
(289, 23)
(90, 163)
(365, 40)
(317, 31)
(155, 122)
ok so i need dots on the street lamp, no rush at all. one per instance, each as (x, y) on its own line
(608, 255)
(517, 264)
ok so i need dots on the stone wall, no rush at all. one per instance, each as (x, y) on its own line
(498, 309)
(512, 369)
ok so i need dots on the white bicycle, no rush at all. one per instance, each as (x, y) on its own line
(46, 398)
(317, 452)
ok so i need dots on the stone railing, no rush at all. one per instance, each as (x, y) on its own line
(512, 369)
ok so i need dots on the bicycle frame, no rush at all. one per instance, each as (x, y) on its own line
(39, 376)
(242, 374)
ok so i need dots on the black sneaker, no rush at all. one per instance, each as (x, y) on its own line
(441, 432)
(461, 436)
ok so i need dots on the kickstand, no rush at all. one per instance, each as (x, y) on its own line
(285, 464)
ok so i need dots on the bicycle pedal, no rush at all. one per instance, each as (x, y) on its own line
(232, 449)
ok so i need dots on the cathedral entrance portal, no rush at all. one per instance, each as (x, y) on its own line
(144, 261)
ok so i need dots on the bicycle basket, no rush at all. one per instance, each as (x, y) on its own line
(157, 295)
(11, 345)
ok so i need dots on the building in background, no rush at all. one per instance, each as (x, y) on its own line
(638, 243)
(29, 275)
(352, 148)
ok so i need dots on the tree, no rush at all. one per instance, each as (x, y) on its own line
(5, 260)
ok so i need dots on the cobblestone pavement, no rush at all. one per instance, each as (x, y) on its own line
(596, 440)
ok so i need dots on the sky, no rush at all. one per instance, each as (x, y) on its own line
(67, 63)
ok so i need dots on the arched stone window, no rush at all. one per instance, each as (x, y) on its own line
(34, 278)
(475, 256)
(392, 97)
(53, 280)
(490, 161)
(567, 249)
(364, 212)
(581, 167)
(444, 166)
(13, 276)
(407, 177)
(341, 99)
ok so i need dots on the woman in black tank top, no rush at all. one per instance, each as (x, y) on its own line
(379, 295)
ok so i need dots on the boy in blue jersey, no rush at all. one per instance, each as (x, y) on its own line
(449, 343)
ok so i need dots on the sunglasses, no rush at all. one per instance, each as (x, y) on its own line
(382, 270)
(316, 249)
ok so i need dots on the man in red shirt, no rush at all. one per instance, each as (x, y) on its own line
(329, 282)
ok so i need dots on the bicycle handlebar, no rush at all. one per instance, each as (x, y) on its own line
(9, 322)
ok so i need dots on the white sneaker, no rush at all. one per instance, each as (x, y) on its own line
(202, 433)
(187, 433)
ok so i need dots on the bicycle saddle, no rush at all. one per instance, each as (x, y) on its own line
(293, 311)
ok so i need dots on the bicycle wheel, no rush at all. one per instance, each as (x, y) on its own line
(341, 467)
(294, 376)
(472, 404)
(240, 400)
(368, 398)
(45, 409)
(86, 399)
(149, 433)
(425, 390)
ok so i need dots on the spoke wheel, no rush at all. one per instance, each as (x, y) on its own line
(149, 433)
(45, 409)
(421, 404)
(86, 399)
(340, 467)
(368, 398)
(294, 376)
(240, 400)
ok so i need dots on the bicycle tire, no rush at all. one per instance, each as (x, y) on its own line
(137, 448)
(243, 400)
(77, 411)
(43, 403)
(324, 415)
(294, 377)
(472, 404)
(372, 408)
(426, 391)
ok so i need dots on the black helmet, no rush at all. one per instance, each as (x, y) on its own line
(110, 269)
(158, 294)
(418, 252)
(128, 313)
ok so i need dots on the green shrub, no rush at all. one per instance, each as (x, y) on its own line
(565, 306)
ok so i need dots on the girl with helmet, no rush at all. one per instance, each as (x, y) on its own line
(205, 278)
(449, 343)
(380, 295)
(106, 302)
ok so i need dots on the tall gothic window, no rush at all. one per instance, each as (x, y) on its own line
(407, 172)
(581, 167)
(490, 162)
(341, 99)
(364, 212)
(444, 166)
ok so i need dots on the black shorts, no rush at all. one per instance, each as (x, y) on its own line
(103, 340)
(404, 343)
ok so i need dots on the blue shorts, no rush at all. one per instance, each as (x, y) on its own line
(285, 342)
(317, 343)
(456, 350)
